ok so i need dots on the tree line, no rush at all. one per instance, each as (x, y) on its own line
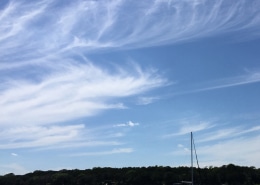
(153, 175)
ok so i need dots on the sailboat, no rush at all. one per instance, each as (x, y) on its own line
(192, 146)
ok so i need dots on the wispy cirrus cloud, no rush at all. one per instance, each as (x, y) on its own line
(95, 25)
(114, 151)
(146, 100)
(187, 127)
(74, 92)
(227, 133)
(39, 136)
(52, 137)
(249, 78)
(45, 81)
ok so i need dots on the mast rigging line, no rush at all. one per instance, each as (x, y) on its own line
(193, 146)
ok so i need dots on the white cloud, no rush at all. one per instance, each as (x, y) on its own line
(95, 142)
(128, 124)
(132, 124)
(194, 127)
(159, 22)
(114, 151)
(146, 100)
(39, 136)
(187, 127)
(52, 137)
(227, 133)
(71, 93)
(14, 154)
(249, 78)
(64, 90)
(219, 134)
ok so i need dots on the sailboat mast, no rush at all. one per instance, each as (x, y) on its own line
(191, 146)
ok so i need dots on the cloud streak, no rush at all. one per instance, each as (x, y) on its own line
(62, 136)
(246, 79)
(187, 127)
(114, 151)
(39, 136)
(251, 77)
(76, 92)
(159, 22)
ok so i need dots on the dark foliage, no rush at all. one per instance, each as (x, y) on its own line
(156, 175)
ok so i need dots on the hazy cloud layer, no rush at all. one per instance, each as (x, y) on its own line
(217, 144)
(10, 168)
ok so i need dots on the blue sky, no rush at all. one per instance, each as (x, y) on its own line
(123, 83)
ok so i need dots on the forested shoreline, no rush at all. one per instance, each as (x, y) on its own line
(154, 175)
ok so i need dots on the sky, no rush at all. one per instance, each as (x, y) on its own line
(122, 83)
